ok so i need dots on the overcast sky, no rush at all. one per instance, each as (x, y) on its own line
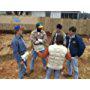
(45, 5)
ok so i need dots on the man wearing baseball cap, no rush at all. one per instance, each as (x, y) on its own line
(19, 48)
(38, 39)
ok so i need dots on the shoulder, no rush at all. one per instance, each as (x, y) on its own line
(64, 47)
(43, 32)
(34, 31)
(67, 37)
(78, 37)
(51, 47)
(54, 32)
(14, 40)
(63, 33)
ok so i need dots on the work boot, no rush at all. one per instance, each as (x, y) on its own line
(26, 74)
(67, 75)
(31, 71)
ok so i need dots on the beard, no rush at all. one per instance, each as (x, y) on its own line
(39, 29)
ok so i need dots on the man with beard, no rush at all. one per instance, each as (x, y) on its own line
(38, 38)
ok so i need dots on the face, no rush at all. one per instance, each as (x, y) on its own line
(70, 33)
(39, 29)
(20, 32)
(58, 30)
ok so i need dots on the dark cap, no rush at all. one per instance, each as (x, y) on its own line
(17, 27)
(39, 25)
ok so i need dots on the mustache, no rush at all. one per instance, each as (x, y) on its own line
(38, 30)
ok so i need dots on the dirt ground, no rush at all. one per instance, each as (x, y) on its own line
(9, 69)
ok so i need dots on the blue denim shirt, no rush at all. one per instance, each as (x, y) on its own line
(18, 46)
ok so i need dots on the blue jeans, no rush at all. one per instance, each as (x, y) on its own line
(73, 65)
(49, 72)
(34, 56)
(22, 69)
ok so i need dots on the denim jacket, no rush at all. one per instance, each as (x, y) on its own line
(19, 47)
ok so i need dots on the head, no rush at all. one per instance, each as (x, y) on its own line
(72, 31)
(59, 40)
(58, 27)
(39, 26)
(18, 30)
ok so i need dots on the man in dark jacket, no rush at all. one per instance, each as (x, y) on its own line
(76, 46)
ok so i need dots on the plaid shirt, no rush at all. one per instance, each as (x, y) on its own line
(38, 35)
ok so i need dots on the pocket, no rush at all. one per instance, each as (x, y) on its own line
(74, 44)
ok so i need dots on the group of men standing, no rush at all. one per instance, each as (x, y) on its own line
(61, 46)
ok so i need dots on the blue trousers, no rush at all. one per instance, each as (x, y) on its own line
(34, 56)
(73, 65)
(22, 69)
(49, 72)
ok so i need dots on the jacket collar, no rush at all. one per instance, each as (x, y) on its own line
(72, 36)
(17, 36)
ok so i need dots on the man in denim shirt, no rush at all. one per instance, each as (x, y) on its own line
(19, 48)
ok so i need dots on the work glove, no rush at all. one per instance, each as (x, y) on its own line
(40, 40)
(25, 56)
(37, 42)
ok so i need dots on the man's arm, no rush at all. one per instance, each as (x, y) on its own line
(68, 56)
(44, 38)
(81, 46)
(16, 51)
(32, 38)
(52, 38)
(43, 54)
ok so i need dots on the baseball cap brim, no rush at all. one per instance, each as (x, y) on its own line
(40, 26)
(16, 28)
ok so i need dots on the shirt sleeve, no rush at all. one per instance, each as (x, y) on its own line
(81, 46)
(15, 48)
(45, 37)
(52, 38)
(68, 56)
(32, 38)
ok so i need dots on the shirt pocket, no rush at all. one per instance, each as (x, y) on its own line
(74, 44)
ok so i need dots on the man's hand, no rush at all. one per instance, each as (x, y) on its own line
(37, 42)
(22, 63)
(40, 40)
